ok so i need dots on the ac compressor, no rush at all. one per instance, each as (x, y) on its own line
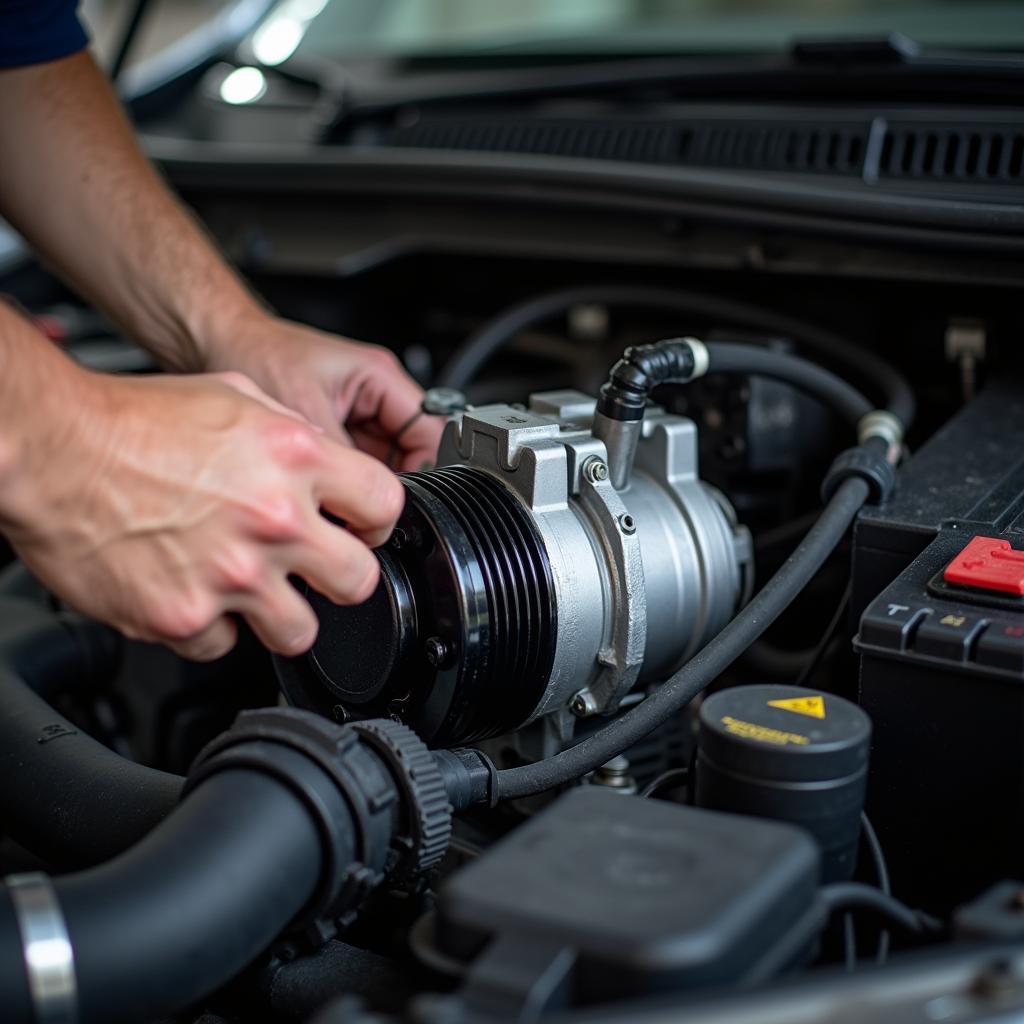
(525, 578)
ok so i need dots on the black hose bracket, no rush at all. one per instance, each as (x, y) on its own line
(869, 463)
(374, 792)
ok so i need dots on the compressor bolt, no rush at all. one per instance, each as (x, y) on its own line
(595, 470)
(436, 651)
(583, 704)
(627, 523)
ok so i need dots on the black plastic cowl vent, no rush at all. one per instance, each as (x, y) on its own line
(608, 140)
(979, 154)
(871, 149)
(752, 145)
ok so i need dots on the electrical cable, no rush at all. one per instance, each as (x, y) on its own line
(659, 782)
(840, 896)
(807, 672)
(705, 666)
(863, 365)
(849, 942)
(784, 533)
(877, 854)
(881, 876)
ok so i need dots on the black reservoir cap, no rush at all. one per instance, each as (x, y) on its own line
(785, 733)
(789, 754)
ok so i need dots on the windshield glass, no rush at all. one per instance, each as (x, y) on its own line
(344, 28)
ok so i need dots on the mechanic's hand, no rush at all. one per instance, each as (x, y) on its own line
(359, 394)
(161, 505)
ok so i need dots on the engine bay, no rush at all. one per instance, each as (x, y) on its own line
(691, 686)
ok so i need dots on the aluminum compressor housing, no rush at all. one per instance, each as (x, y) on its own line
(521, 583)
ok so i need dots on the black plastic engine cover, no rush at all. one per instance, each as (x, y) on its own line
(604, 896)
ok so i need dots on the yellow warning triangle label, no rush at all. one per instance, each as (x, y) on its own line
(812, 707)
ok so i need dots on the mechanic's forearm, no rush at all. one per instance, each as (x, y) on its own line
(75, 183)
(44, 400)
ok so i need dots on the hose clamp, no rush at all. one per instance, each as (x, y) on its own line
(880, 423)
(701, 357)
(49, 958)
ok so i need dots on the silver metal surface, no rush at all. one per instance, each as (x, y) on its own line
(615, 774)
(49, 958)
(621, 657)
(880, 423)
(644, 574)
(583, 704)
(595, 470)
(620, 438)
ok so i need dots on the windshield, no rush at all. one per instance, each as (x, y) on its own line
(350, 28)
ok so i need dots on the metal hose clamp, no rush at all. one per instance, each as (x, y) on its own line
(701, 357)
(880, 423)
(49, 958)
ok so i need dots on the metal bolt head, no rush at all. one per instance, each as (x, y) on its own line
(614, 774)
(398, 538)
(627, 523)
(583, 704)
(436, 651)
(443, 401)
(595, 470)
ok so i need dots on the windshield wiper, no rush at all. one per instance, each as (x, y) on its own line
(889, 68)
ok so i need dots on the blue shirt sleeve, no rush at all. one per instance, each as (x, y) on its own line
(32, 31)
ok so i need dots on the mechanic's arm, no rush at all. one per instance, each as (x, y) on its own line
(74, 182)
(164, 504)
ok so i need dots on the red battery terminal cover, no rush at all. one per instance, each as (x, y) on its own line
(988, 563)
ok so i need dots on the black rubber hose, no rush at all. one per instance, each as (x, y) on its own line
(181, 913)
(862, 364)
(705, 666)
(830, 390)
(55, 653)
(16, 581)
(65, 796)
(642, 368)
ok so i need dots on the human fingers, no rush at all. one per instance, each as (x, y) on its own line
(211, 643)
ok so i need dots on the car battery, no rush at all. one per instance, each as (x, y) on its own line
(939, 573)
